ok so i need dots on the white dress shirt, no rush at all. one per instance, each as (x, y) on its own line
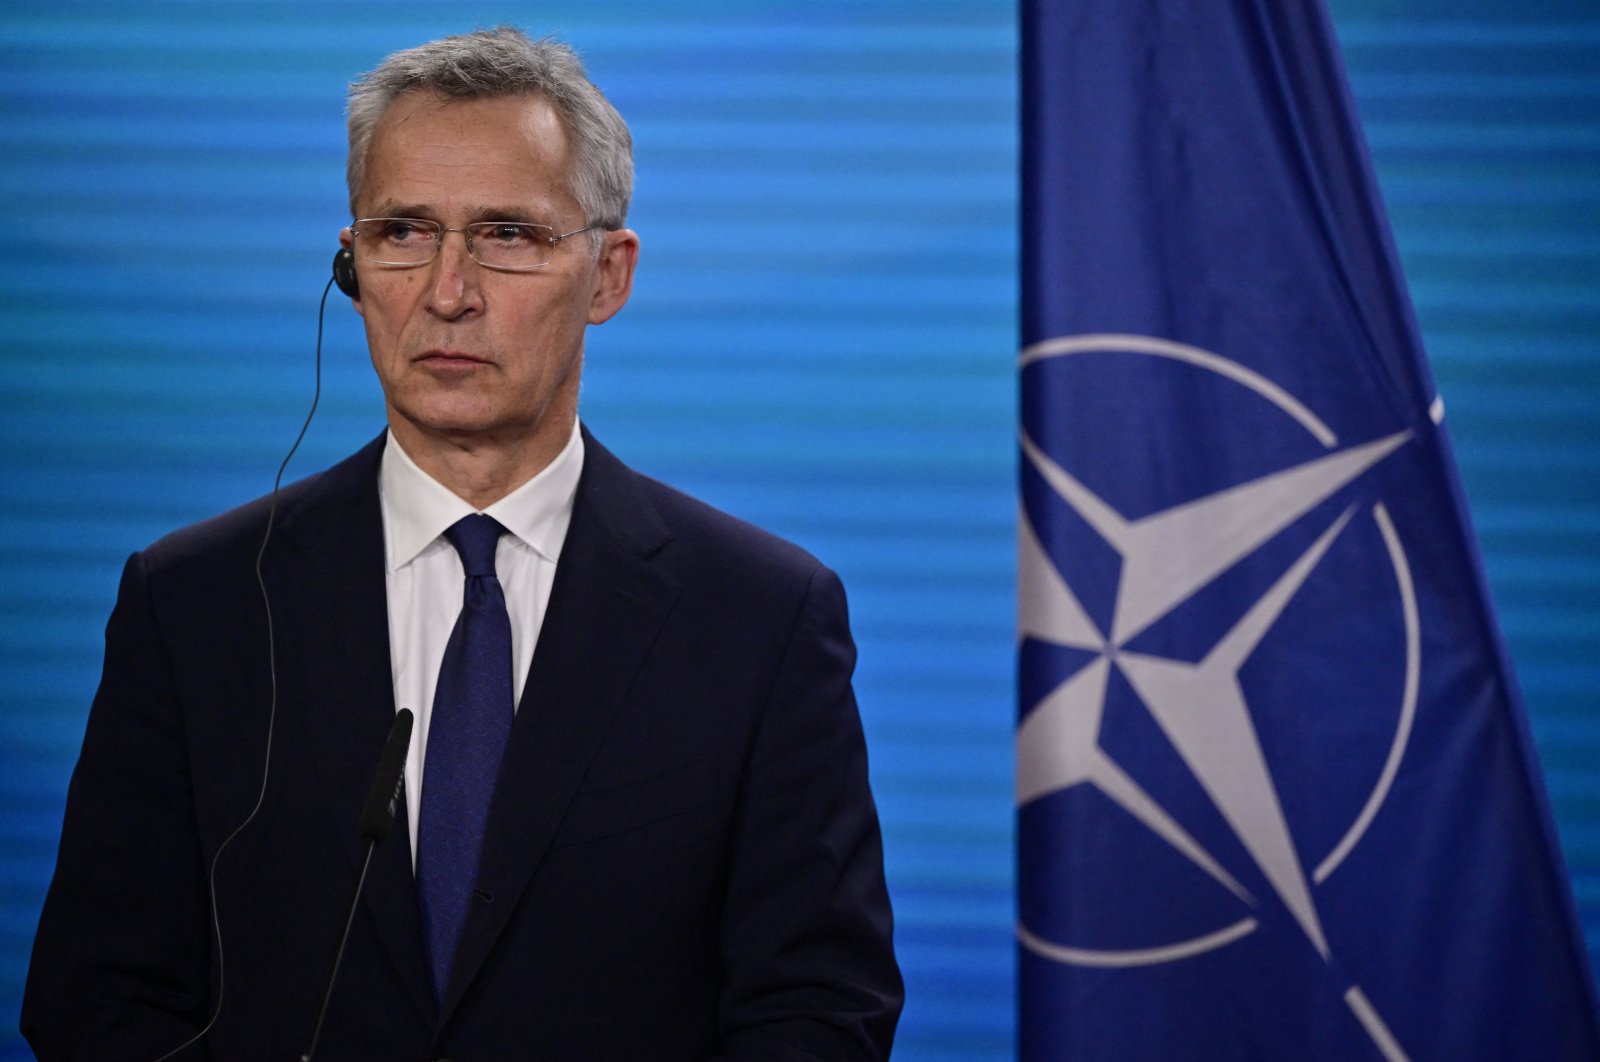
(425, 579)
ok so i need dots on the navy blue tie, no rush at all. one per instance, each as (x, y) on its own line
(472, 710)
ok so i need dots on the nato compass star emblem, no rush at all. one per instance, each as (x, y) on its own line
(1167, 557)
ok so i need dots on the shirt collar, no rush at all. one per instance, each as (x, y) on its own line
(417, 509)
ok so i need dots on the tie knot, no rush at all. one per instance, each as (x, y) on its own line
(475, 537)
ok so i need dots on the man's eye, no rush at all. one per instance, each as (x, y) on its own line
(511, 234)
(402, 231)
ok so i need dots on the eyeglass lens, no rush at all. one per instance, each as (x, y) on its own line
(411, 241)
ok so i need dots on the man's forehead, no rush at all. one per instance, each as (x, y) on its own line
(531, 111)
(497, 158)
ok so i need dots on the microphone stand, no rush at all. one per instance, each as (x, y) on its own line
(377, 815)
(338, 957)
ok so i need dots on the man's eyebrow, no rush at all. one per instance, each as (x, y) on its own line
(402, 210)
(510, 213)
(486, 213)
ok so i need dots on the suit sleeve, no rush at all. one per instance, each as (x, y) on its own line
(120, 966)
(807, 930)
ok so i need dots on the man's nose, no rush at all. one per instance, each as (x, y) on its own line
(454, 289)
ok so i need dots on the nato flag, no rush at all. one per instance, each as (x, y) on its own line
(1276, 798)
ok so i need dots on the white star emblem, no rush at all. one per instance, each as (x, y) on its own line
(1167, 557)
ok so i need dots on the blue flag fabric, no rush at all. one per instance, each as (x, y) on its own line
(1276, 798)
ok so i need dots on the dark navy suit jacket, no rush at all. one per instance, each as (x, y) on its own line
(682, 858)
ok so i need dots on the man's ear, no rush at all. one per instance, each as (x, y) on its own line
(614, 278)
(347, 241)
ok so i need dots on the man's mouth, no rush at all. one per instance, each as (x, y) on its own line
(444, 359)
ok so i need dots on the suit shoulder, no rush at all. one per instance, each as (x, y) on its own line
(735, 576)
(238, 532)
(696, 540)
(717, 538)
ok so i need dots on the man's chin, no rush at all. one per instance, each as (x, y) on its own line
(462, 426)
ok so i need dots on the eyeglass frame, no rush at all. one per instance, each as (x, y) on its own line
(466, 235)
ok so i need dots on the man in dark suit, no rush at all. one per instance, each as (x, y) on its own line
(666, 850)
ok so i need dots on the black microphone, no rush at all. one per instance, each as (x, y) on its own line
(377, 815)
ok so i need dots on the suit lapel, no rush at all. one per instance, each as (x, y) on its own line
(329, 596)
(607, 605)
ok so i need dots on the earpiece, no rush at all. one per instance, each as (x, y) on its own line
(344, 272)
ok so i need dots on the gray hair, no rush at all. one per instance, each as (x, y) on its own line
(502, 62)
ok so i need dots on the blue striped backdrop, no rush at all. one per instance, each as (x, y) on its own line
(821, 340)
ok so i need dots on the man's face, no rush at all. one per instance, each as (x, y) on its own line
(470, 356)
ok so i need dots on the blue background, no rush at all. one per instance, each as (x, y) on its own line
(822, 339)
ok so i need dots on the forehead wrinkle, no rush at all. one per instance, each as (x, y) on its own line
(423, 212)
(400, 152)
(540, 123)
